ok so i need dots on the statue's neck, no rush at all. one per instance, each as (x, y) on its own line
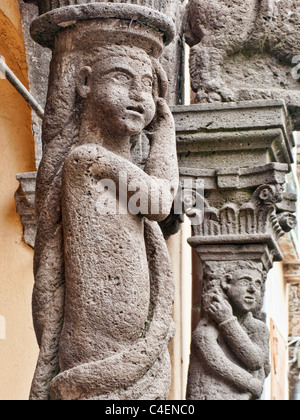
(118, 144)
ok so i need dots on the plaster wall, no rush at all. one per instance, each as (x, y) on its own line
(180, 253)
(18, 349)
(276, 307)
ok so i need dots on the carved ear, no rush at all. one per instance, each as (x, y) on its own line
(225, 282)
(82, 82)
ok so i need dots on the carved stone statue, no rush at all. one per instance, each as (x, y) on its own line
(244, 50)
(230, 346)
(103, 293)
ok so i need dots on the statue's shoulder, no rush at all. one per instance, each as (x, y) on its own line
(256, 326)
(84, 153)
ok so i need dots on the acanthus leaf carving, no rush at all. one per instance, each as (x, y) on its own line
(258, 216)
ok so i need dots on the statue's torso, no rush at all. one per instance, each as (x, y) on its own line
(107, 278)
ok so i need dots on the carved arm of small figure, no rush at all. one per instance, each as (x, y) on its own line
(211, 354)
(251, 352)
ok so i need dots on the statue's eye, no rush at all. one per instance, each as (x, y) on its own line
(121, 77)
(258, 284)
(243, 282)
(147, 82)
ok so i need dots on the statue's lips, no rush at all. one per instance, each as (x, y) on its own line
(136, 110)
(249, 299)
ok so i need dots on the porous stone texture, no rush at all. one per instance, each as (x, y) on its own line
(294, 338)
(25, 204)
(294, 309)
(48, 5)
(103, 294)
(244, 50)
(172, 58)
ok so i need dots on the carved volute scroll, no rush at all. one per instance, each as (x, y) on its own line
(103, 294)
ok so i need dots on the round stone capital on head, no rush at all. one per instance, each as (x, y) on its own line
(120, 23)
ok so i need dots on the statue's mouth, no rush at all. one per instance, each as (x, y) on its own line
(249, 299)
(136, 109)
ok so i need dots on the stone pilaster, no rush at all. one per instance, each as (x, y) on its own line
(241, 153)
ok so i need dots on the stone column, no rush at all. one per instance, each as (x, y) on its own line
(244, 55)
(172, 56)
(241, 153)
(104, 289)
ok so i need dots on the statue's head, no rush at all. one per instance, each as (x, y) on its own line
(120, 89)
(243, 285)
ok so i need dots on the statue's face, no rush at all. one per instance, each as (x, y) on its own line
(121, 94)
(245, 290)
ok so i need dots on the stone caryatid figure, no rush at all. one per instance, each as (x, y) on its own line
(103, 294)
(230, 346)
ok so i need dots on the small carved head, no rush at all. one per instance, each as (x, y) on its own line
(243, 284)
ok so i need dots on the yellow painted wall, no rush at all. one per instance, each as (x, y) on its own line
(18, 348)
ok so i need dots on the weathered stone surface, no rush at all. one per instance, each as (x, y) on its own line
(241, 153)
(38, 60)
(233, 135)
(48, 5)
(294, 309)
(25, 203)
(230, 346)
(292, 271)
(103, 293)
(294, 334)
(171, 59)
(244, 50)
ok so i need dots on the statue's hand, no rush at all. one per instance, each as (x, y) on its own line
(163, 123)
(256, 387)
(219, 309)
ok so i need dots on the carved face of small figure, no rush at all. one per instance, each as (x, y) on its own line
(120, 93)
(244, 290)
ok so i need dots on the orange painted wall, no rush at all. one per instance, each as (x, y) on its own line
(18, 348)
